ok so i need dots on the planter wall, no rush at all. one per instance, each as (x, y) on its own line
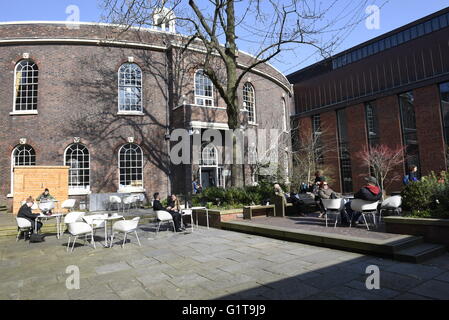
(216, 216)
(433, 230)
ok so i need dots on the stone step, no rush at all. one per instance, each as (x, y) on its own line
(406, 243)
(420, 253)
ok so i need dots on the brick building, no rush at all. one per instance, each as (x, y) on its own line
(105, 102)
(392, 90)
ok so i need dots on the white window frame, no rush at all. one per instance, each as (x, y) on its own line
(250, 105)
(203, 98)
(284, 115)
(80, 190)
(36, 93)
(13, 165)
(130, 188)
(119, 86)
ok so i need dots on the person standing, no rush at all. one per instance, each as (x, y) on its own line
(412, 175)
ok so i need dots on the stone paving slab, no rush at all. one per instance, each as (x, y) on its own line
(210, 264)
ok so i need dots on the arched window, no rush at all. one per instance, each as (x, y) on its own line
(249, 101)
(204, 90)
(25, 86)
(22, 155)
(130, 88)
(131, 166)
(77, 158)
(284, 115)
(209, 155)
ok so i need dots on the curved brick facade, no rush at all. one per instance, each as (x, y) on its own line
(77, 97)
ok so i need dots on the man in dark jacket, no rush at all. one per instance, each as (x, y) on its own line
(26, 213)
(369, 192)
(157, 205)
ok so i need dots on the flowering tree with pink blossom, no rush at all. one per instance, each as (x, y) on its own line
(382, 160)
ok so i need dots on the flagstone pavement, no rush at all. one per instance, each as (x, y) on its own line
(208, 264)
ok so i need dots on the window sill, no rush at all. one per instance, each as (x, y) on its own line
(23, 113)
(202, 106)
(131, 190)
(9, 195)
(79, 192)
(130, 113)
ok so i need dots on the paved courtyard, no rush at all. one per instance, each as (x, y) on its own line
(209, 264)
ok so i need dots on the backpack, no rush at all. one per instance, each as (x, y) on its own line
(35, 237)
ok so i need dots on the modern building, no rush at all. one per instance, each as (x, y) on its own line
(104, 103)
(392, 90)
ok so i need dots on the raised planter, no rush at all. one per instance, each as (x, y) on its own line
(433, 230)
(253, 211)
(217, 216)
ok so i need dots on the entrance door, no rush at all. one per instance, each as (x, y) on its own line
(208, 177)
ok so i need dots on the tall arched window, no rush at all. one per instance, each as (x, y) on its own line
(249, 101)
(284, 115)
(22, 155)
(77, 158)
(131, 166)
(25, 86)
(209, 155)
(204, 90)
(130, 88)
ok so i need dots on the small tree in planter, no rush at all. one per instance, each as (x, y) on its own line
(382, 160)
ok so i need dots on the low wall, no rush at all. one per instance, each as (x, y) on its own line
(433, 230)
(216, 216)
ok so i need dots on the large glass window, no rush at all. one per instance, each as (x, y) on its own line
(77, 158)
(204, 90)
(409, 134)
(316, 130)
(249, 101)
(372, 123)
(131, 166)
(25, 86)
(444, 94)
(209, 155)
(345, 157)
(130, 88)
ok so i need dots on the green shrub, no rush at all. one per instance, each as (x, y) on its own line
(429, 197)
(234, 197)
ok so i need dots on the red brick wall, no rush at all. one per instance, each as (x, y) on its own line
(330, 141)
(357, 136)
(430, 131)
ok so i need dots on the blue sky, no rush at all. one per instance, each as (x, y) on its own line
(393, 14)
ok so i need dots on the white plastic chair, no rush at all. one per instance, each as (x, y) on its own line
(390, 204)
(365, 207)
(77, 229)
(128, 201)
(71, 217)
(115, 200)
(125, 226)
(164, 216)
(23, 225)
(68, 204)
(96, 221)
(333, 206)
(46, 206)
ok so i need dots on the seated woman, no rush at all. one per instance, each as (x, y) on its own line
(174, 206)
(325, 192)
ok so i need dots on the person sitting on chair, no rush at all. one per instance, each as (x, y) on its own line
(46, 197)
(157, 205)
(26, 213)
(369, 192)
(326, 193)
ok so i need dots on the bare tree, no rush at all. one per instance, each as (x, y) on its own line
(383, 160)
(270, 26)
(308, 152)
